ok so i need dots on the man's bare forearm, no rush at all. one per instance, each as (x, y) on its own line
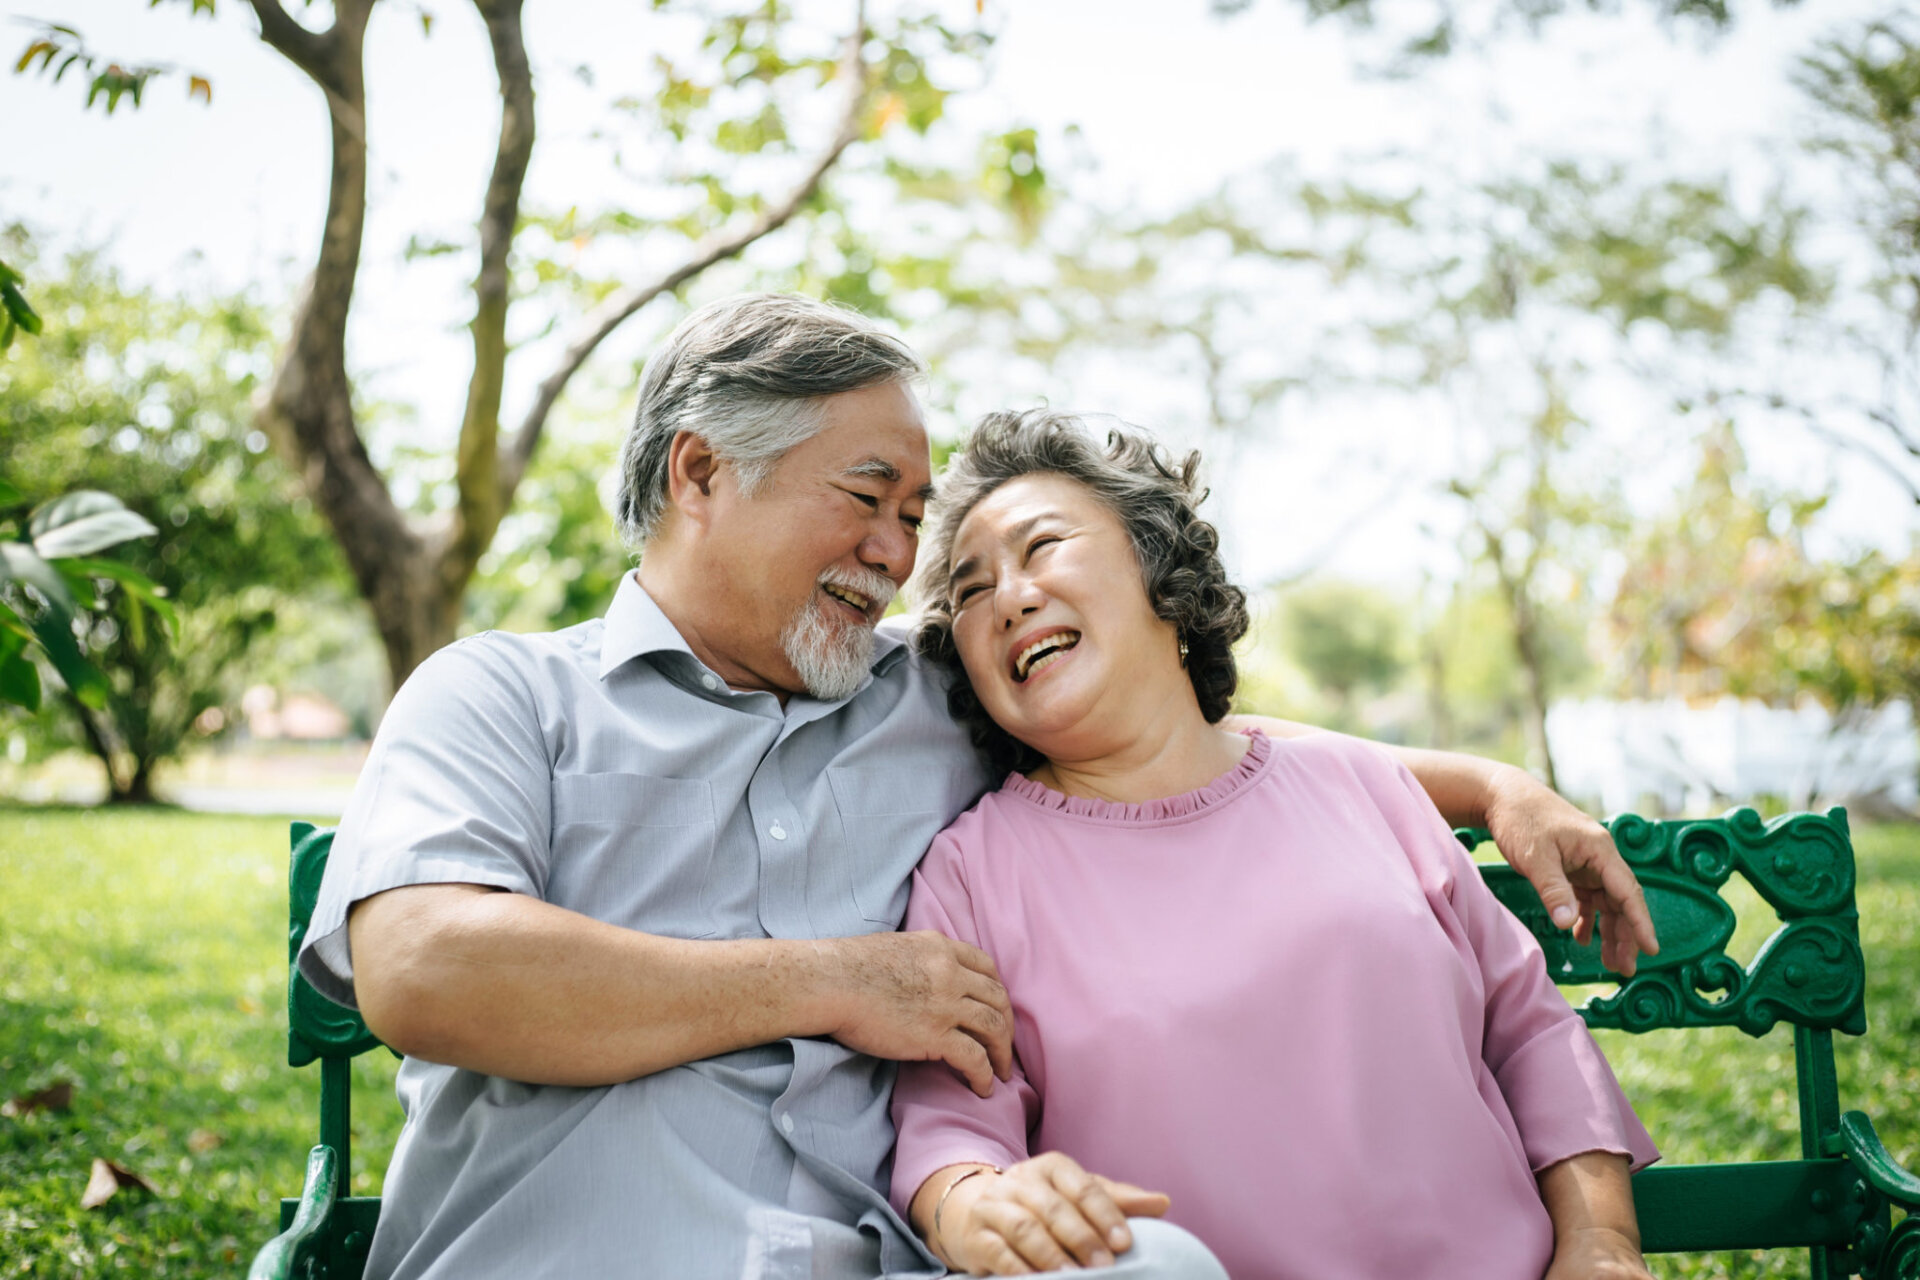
(1460, 786)
(512, 986)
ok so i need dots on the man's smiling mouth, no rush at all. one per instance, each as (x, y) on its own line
(848, 596)
(1042, 653)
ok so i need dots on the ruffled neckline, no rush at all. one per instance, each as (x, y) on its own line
(1186, 805)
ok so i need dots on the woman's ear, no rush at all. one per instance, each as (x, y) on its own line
(691, 468)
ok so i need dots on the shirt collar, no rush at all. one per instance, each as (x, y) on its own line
(636, 626)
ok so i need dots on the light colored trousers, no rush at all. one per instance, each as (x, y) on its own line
(1161, 1251)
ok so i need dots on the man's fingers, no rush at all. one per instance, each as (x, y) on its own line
(994, 1030)
(1629, 901)
(964, 1054)
(1550, 882)
(974, 958)
(1617, 948)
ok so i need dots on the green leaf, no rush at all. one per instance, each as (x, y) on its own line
(25, 565)
(140, 588)
(12, 627)
(55, 633)
(20, 682)
(9, 496)
(83, 522)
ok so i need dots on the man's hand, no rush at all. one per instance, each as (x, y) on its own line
(1573, 864)
(916, 997)
(1042, 1214)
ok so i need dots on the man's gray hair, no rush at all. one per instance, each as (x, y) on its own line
(747, 375)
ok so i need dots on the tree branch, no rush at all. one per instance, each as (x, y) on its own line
(305, 49)
(483, 498)
(607, 317)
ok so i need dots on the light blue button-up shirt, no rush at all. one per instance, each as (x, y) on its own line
(605, 769)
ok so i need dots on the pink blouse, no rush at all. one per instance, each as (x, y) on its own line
(1287, 1000)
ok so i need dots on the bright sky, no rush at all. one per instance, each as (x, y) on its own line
(1170, 101)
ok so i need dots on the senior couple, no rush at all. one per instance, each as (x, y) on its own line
(1180, 994)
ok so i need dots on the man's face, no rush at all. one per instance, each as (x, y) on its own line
(805, 566)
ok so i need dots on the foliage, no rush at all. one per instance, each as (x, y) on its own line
(1722, 596)
(1411, 36)
(722, 151)
(107, 80)
(49, 580)
(16, 313)
(1865, 87)
(1346, 637)
(148, 397)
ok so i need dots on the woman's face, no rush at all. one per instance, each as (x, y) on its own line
(1052, 621)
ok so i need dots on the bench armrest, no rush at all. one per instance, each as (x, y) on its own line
(293, 1253)
(1876, 1164)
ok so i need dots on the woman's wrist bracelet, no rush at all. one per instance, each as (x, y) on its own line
(941, 1203)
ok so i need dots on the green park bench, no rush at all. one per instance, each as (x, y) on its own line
(1836, 1201)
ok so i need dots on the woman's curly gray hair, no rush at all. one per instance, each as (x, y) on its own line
(1156, 500)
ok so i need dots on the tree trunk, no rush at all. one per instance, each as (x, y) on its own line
(1439, 711)
(413, 573)
(1526, 646)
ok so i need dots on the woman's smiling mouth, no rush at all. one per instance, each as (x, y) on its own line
(1042, 653)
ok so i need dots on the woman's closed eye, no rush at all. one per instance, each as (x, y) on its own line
(966, 593)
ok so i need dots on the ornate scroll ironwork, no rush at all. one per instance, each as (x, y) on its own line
(1809, 973)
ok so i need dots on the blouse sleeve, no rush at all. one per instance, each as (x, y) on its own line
(941, 1121)
(1558, 1085)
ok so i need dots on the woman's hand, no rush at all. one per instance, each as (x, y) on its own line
(1597, 1253)
(1042, 1214)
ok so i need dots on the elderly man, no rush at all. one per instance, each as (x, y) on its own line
(626, 895)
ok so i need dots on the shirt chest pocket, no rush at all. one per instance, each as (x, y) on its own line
(888, 816)
(635, 850)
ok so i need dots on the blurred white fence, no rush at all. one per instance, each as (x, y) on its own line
(1674, 758)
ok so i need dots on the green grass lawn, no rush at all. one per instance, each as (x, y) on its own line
(143, 958)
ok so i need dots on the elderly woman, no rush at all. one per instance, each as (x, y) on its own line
(1259, 977)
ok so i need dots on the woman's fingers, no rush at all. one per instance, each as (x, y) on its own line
(1049, 1213)
(1093, 1200)
(1135, 1202)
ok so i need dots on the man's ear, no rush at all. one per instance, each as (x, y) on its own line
(691, 468)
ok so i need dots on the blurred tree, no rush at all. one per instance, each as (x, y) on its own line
(1866, 86)
(149, 398)
(1419, 33)
(1513, 302)
(1344, 636)
(1721, 596)
(572, 271)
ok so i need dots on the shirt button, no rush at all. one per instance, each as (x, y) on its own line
(777, 831)
(786, 1123)
(711, 681)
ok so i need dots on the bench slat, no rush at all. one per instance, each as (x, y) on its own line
(1778, 1204)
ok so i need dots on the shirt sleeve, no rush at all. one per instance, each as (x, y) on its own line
(941, 1121)
(456, 790)
(1563, 1094)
